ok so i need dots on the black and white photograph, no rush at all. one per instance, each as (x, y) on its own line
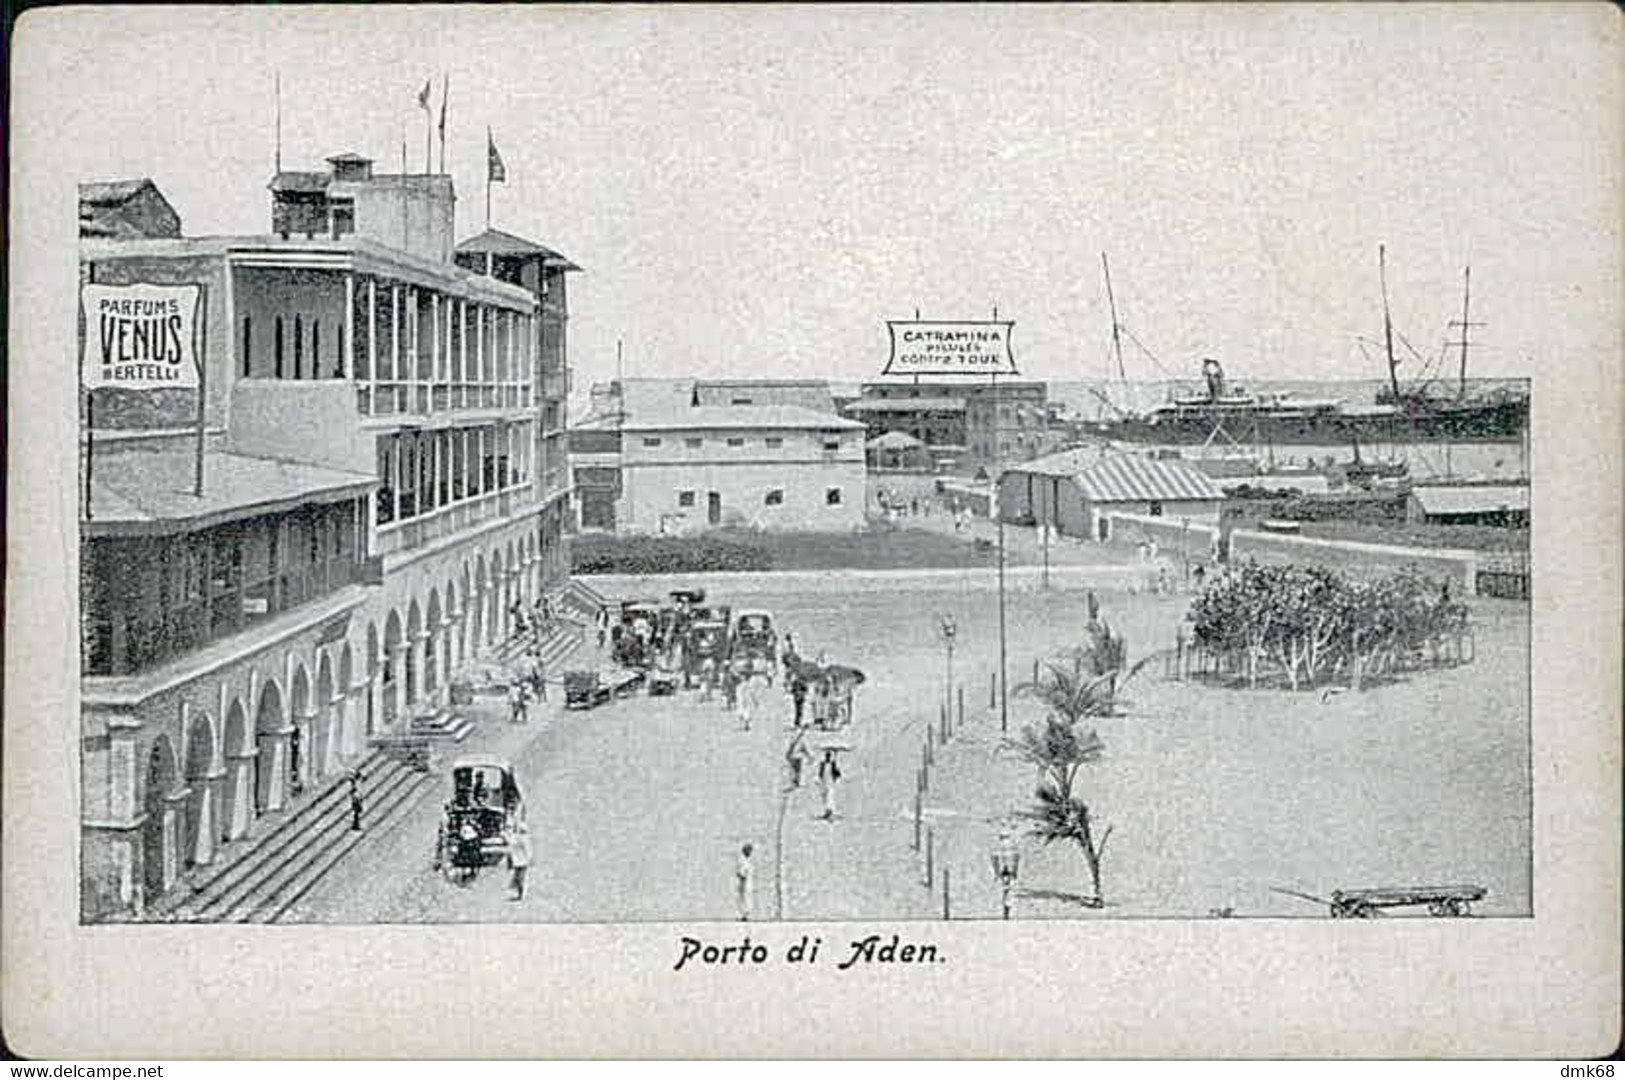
(830, 479)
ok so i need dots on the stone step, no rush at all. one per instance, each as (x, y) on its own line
(408, 798)
(320, 852)
(271, 826)
(444, 725)
(274, 846)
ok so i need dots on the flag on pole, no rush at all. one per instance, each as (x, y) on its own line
(496, 173)
(445, 95)
(423, 95)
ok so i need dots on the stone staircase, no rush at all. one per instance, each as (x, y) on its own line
(257, 878)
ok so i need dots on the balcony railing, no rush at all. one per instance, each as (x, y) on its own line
(395, 398)
(447, 520)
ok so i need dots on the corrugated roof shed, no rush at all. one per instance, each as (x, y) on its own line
(1473, 499)
(1062, 463)
(1128, 478)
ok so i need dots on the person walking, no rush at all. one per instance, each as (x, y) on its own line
(749, 696)
(518, 860)
(797, 757)
(798, 694)
(518, 709)
(745, 881)
(829, 778)
(602, 618)
(355, 800)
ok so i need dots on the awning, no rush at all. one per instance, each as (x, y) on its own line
(149, 492)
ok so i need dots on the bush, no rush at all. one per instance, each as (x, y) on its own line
(663, 555)
(1309, 623)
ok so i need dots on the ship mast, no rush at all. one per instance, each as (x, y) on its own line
(1388, 321)
(1465, 324)
(1117, 327)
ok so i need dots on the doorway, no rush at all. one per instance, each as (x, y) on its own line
(713, 508)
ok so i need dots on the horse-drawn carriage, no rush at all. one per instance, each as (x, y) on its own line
(829, 690)
(587, 688)
(478, 821)
(705, 647)
(1441, 901)
(755, 645)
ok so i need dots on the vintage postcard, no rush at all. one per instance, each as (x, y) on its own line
(569, 531)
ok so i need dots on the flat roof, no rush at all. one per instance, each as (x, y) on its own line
(301, 253)
(718, 417)
(1472, 498)
(915, 404)
(149, 491)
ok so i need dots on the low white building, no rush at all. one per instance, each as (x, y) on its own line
(657, 463)
(1077, 491)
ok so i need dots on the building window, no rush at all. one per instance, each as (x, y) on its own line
(693, 444)
(298, 346)
(315, 349)
(741, 401)
(736, 441)
(279, 346)
(248, 345)
(832, 497)
(775, 441)
(338, 359)
(1156, 508)
(775, 497)
(832, 444)
(685, 499)
(651, 441)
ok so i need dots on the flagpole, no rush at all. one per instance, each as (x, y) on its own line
(488, 145)
(445, 96)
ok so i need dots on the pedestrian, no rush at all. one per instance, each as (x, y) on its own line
(536, 673)
(708, 678)
(602, 618)
(798, 694)
(355, 800)
(748, 695)
(518, 860)
(518, 708)
(730, 687)
(914, 507)
(1199, 574)
(829, 777)
(745, 881)
(797, 757)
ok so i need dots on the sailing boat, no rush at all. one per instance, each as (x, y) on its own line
(1430, 410)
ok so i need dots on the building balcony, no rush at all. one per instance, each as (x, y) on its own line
(444, 521)
(390, 398)
(126, 642)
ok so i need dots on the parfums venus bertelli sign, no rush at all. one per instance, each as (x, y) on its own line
(950, 348)
(139, 337)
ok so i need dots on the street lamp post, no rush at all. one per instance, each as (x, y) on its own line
(949, 630)
(1004, 700)
(1006, 862)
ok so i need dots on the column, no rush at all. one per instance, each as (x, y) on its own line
(349, 325)
(209, 797)
(351, 725)
(397, 674)
(372, 345)
(420, 656)
(306, 723)
(174, 813)
(394, 343)
(240, 774)
(434, 345)
(443, 641)
(277, 795)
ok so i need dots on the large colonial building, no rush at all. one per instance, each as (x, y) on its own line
(651, 458)
(964, 425)
(382, 476)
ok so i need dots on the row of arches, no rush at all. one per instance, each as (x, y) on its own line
(313, 718)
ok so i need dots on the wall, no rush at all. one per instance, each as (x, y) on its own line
(650, 494)
(1197, 512)
(316, 297)
(412, 213)
(311, 422)
(1169, 533)
(1458, 566)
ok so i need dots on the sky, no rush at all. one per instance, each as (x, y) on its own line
(756, 190)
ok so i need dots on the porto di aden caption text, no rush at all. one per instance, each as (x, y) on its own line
(874, 949)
